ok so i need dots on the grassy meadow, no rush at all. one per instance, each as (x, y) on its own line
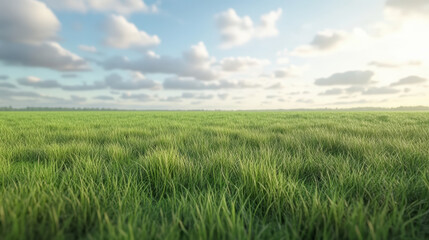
(214, 175)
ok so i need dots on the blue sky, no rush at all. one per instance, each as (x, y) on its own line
(134, 54)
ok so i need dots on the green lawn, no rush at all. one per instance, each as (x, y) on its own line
(214, 175)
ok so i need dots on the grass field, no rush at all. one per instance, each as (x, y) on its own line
(214, 175)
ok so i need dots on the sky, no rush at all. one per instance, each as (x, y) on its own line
(214, 55)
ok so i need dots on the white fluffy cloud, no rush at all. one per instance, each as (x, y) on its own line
(236, 30)
(118, 6)
(198, 55)
(27, 28)
(233, 64)
(194, 62)
(323, 42)
(123, 34)
(27, 21)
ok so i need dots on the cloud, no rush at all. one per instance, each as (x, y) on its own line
(140, 97)
(118, 6)
(115, 81)
(282, 53)
(223, 96)
(27, 21)
(26, 99)
(409, 7)
(355, 89)
(331, 92)
(204, 96)
(194, 63)
(192, 84)
(4, 77)
(201, 96)
(346, 78)
(171, 99)
(324, 41)
(282, 73)
(112, 81)
(286, 72)
(233, 64)
(29, 98)
(297, 93)
(275, 86)
(267, 27)
(188, 95)
(380, 91)
(282, 60)
(6, 94)
(282, 57)
(236, 30)
(84, 87)
(90, 49)
(6, 85)
(152, 54)
(122, 34)
(104, 97)
(48, 54)
(271, 96)
(27, 30)
(303, 100)
(409, 81)
(197, 55)
(391, 64)
(38, 83)
(77, 99)
(350, 102)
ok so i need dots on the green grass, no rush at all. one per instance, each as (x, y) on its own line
(214, 175)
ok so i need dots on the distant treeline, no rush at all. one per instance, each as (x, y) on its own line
(368, 109)
(363, 109)
(55, 109)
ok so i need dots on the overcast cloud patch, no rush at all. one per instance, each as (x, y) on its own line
(346, 78)
(411, 80)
